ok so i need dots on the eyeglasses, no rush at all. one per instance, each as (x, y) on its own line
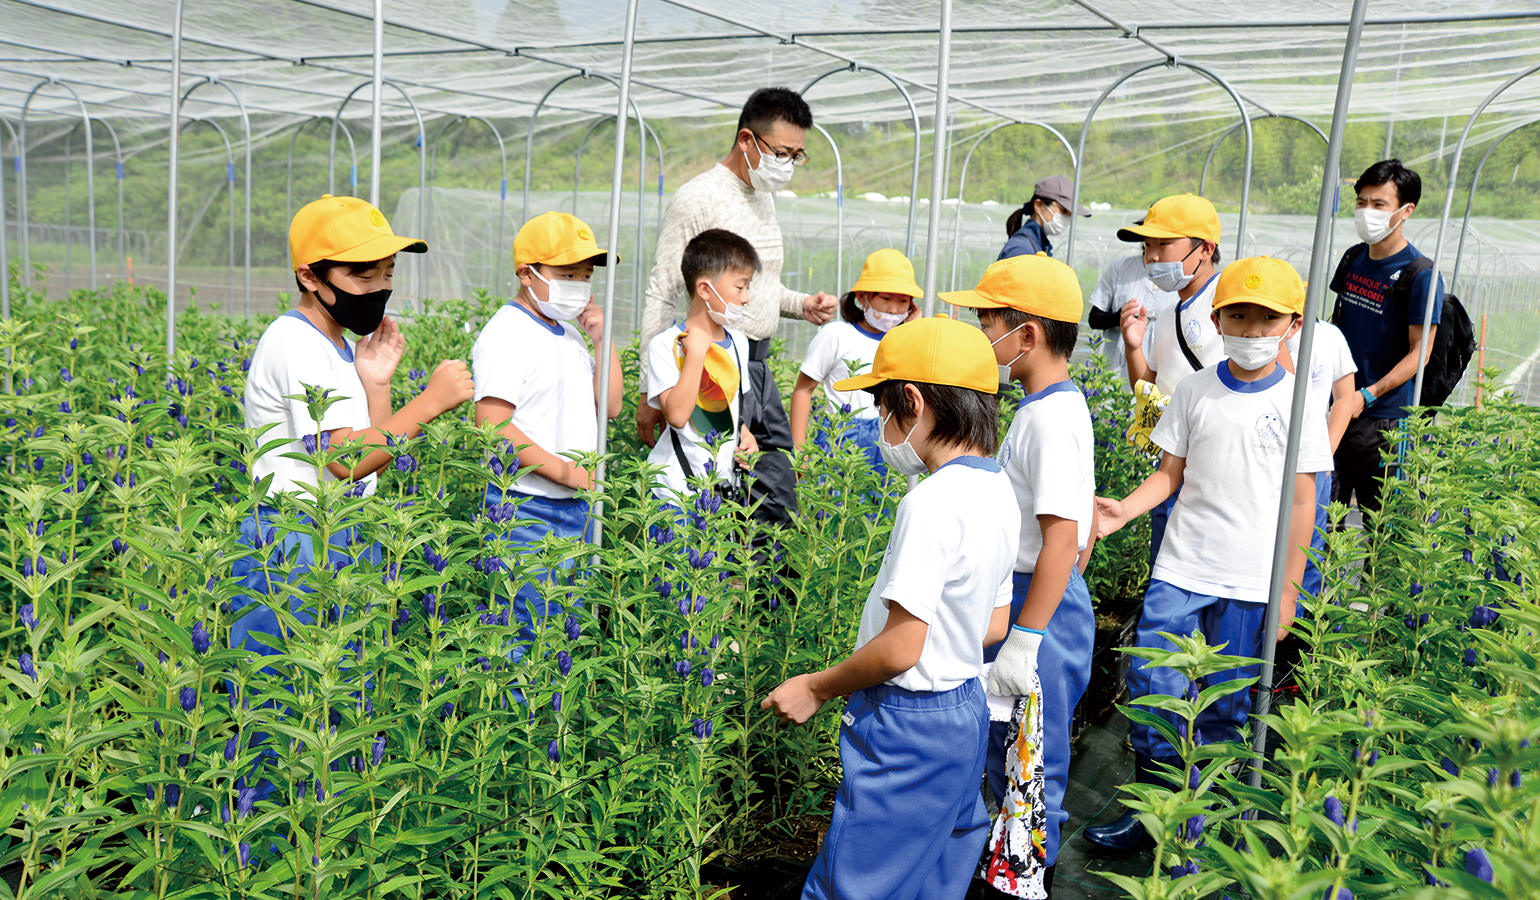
(798, 158)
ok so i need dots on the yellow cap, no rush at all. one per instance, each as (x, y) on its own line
(718, 380)
(556, 239)
(1038, 284)
(345, 229)
(1180, 215)
(888, 272)
(938, 350)
(1264, 281)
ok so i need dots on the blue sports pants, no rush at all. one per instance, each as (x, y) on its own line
(1064, 668)
(561, 518)
(863, 431)
(1235, 623)
(909, 821)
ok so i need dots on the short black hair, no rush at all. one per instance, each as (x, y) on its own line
(1214, 258)
(767, 106)
(850, 310)
(1061, 336)
(320, 267)
(714, 251)
(1390, 171)
(964, 417)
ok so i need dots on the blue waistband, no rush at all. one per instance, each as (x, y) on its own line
(892, 695)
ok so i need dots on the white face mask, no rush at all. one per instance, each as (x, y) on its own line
(563, 299)
(1373, 225)
(773, 173)
(1251, 353)
(901, 458)
(1005, 370)
(1056, 226)
(1168, 276)
(884, 322)
(731, 316)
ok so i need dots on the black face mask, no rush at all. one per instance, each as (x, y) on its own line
(358, 313)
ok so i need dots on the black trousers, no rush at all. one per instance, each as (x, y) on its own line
(1359, 469)
(774, 485)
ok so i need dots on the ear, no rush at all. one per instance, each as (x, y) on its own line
(745, 137)
(1214, 317)
(1031, 336)
(308, 280)
(916, 402)
(526, 274)
(1299, 322)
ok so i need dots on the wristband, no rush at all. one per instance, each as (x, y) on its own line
(1037, 631)
(1368, 396)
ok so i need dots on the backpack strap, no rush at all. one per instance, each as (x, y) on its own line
(1181, 340)
(1403, 287)
(1349, 257)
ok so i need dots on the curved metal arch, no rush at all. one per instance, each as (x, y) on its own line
(422, 164)
(577, 165)
(577, 162)
(5, 252)
(914, 117)
(1470, 200)
(26, 243)
(1203, 178)
(641, 186)
(839, 209)
(962, 179)
(1443, 221)
(288, 185)
(1240, 229)
(229, 186)
(502, 190)
(245, 177)
(118, 160)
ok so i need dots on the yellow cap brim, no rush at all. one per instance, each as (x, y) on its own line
(889, 286)
(1140, 232)
(573, 257)
(970, 299)
(1271, 303)
(859, 382)
(378, 247)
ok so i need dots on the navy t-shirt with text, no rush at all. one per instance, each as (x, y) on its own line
(1375, 327)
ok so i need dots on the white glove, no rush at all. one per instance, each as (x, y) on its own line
(1016, 663)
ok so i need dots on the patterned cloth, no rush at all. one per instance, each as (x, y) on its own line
(1017, 856)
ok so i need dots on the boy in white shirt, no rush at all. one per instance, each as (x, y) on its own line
(909, 820)
(1331, 384)
(537, 381)
(343, 252)
(1125, 279)
(1029, 307)
(697, 372)
(1223, 436)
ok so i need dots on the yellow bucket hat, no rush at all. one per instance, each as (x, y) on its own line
(1036, 284)
(719, 378)
(344, 229)
(938, 350)
(888, 272)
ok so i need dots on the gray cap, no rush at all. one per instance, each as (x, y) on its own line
(1059, 189)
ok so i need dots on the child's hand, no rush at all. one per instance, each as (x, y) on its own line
(376, 355)
(578, 478)
(1286, 609)
(696, 342)
(591, 320)
(1110, 516)
(450, 385)
(748, 445)
(795, 700)
(1133, 320)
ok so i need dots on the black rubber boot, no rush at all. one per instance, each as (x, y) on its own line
(1127, 834)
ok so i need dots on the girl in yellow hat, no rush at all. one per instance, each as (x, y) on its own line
(883, 297)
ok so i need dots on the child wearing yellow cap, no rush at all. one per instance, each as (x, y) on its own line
(909, 820)
(1029, 307)
(1223, 438)
(343, 252)
(697, 372)
(882, 298)
(537, 382)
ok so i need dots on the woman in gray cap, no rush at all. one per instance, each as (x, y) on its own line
(1045, 216)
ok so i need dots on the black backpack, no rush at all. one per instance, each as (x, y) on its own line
(1454, 340)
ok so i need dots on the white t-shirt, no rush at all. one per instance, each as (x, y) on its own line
(1219, 540)
(1120, 282)
(1196, 314)
(833, 347)
(1330, 359)
(291, 354)
(547, 373)
(948, 563)
(1047, 454)
(663, 375)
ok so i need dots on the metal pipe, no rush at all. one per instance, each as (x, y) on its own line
(246, 172)
(914, 118)
(69, 171)
(1240, 237)
(21, 197)
(1470, 199)
(839, 209)
(529, 139)
(607, 337)
(288, 189)
(118, 160)
(230, 186)
(1208, 160)
(938, 162)
(577, 163)
(422, 167)
(1443, 225)
(378, 83)
(5, 251)
(171, 191)
(502, 197)
(1317, 289)
(962, 180)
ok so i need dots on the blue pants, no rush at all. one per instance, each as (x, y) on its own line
(566, 518)
(1312, 580)
(909, 821)
(1158, 517)
(862, 431)
(292, 555)
(1235, 623)
(1064, 668)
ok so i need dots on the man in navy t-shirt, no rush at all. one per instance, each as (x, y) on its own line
(1383, 327)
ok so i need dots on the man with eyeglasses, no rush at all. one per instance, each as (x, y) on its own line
(738, 195)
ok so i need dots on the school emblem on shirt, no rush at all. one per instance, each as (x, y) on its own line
(1270, 430)
(1193, 329)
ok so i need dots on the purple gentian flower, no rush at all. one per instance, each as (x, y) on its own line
(28, 616)
(1334, 812)
(701, 728)
(1193, 830)
(200, 638)
(24, 662)
(245, 799)
(243, 854)
(232, 747)
(553, 752)
(377, 751)
(574, 631)
(682, 667)
(1477, 864)
(706, 677)
(564, 662)
(189, 698)
(556, 702)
